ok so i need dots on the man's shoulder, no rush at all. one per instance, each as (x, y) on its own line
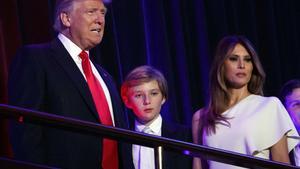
(38, 49)
(41, 44)
(31, 49)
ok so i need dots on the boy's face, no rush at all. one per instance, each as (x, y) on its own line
(145, 100)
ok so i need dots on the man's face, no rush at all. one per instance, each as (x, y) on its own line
(292, 104)
(85, 23)
(145, 100)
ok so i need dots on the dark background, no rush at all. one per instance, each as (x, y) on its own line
(176, 36)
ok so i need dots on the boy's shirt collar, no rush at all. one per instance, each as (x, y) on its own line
(155, 126)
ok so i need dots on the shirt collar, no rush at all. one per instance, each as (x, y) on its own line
(70, 46)
(155, 126)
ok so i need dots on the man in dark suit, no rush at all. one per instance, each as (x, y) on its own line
(144, 91)
(59, 78)
(290, 98)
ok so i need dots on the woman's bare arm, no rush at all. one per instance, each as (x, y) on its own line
(279, 151)
(195, 131)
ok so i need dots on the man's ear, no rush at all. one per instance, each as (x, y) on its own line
(65, 19)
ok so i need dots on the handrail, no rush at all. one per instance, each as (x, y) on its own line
(15, 164)
(133, 137)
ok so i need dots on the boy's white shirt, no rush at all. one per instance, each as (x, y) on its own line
(155, 127)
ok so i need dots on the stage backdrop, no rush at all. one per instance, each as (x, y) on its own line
(176, 36)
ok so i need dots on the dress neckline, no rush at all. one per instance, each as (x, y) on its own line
(238, 103)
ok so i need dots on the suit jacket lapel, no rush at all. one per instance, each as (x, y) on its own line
(115, 99)
(104, 76)
(64, 59)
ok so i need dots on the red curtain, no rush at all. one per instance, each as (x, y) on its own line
(21, 22)
(9, 42)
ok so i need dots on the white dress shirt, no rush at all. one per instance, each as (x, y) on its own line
(297, 155)
(74, 51)
(143, 157)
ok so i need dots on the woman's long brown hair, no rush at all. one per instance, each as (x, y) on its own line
(219, 97)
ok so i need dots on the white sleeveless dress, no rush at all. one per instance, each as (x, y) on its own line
(256, 124)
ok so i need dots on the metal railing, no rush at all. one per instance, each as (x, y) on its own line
(15, 164)
(157, 142)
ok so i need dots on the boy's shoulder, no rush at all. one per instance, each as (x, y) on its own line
(176, 131)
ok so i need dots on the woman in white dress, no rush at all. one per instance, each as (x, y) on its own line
(238, 118)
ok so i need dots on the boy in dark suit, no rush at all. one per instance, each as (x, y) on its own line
(144, 91)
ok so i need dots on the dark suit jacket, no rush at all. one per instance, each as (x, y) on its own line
(44, 77)
(172, 160)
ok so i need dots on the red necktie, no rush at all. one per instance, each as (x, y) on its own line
(110, 147)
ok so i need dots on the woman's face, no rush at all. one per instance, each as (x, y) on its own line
(238, 67)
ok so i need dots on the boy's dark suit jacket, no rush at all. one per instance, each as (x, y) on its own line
(44, 77)
(172, 160)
